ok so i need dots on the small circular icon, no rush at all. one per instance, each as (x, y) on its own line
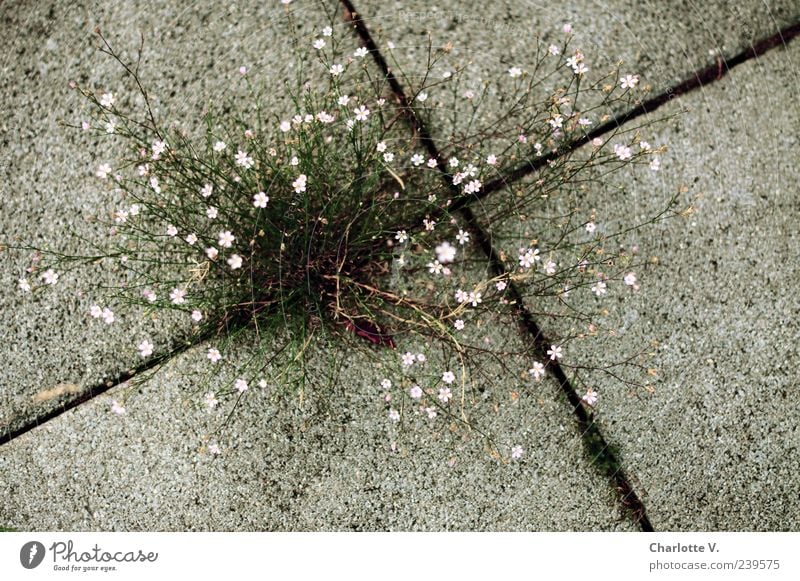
(31, 554)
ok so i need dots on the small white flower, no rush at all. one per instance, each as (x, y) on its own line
(629, 81)
(206, 190)
(473, 187)
(555, 352)
(214, 355)
(417, 160)
(448, 377)
(319, 44)
(214, 448)
(386, 384)
(422, 97)
(285, 126)
(462, 237)
(415, 392)
(226, 239)
(103, 170)
(553, 50)
(244, 160)
(453, 161)
(211, 400)
(158, 148)
(394, 415)
(111, 127)
(401, 236)
(580, 69)
(172, 230)
(107, 100)
(388, 157)
(501, 285)
(655, 164)
(421, 357)
(212, 213)
(107, 315)
(461, 296)
(240, 385)
(121, 216)
(599, 288)
(212, 253)
(327, 31)
(408, 358)
(24, 285)
(623, 152)
(117, 409)
(459, 324)
(630, 279)
(550, 267)
(432, 163)
(435, 267)
(431, 411)
(299, 184)
(260, 200)
(361, 113)
(528, 256)
(149, 295)
(360, 52)
(235, 261)
(220, 146)
(145, 348)
(491, 159)
(475, 299)
(381, 146)
(191, 239)
(429, 224)
(445, 394)
(95, 311)
(197, 316)
(590, 227)
(50, 276)
(344, 100)
(591, 397)
(336, 70)
(517, 452)
(515, 72)
(537, 371)
(262, 383)
(445, 252)
(177, 296)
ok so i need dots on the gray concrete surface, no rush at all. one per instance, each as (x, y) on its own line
(324, 464)
(715, 444)
(47, 187)
(720, 403)
(663, 42)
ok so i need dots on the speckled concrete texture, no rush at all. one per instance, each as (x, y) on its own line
(326, 463)
(710, 444)
(713, 442)
(48, 192)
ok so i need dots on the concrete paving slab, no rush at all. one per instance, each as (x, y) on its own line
(52, 349)
(662, 42)
(334, 461)
(711, 441)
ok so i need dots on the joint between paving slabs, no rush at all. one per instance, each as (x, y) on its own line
(596, 446)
